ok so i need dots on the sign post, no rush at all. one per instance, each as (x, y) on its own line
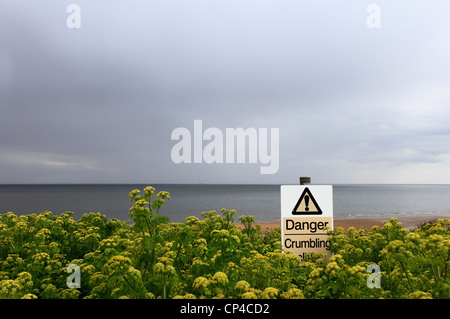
(306, 216)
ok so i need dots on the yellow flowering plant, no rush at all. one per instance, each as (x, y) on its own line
(212, 257)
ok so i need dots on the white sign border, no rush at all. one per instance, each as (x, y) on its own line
(290, 194)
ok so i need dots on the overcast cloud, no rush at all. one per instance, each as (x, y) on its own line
(98, 104)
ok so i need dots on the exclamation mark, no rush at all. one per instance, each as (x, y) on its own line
(306, 202)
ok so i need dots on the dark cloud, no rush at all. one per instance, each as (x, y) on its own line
(98, 104)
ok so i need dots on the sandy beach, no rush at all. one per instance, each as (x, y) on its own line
(367, 223)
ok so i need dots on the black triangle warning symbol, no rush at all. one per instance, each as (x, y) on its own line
(306, 205)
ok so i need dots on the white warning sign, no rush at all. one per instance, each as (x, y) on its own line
(306, 217)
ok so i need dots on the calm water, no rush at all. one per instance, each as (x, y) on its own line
(262, 201)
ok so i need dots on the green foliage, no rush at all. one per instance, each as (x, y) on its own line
(211, 258)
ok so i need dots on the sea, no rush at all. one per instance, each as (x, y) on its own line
(261, 201)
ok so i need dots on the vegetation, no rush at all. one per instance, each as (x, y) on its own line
(211, 258)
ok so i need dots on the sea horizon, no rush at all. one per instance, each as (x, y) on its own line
(260, 200)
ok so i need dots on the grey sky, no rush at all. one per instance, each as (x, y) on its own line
(98, 104)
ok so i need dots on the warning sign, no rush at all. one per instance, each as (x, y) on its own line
(306, 204)
(306, 216)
